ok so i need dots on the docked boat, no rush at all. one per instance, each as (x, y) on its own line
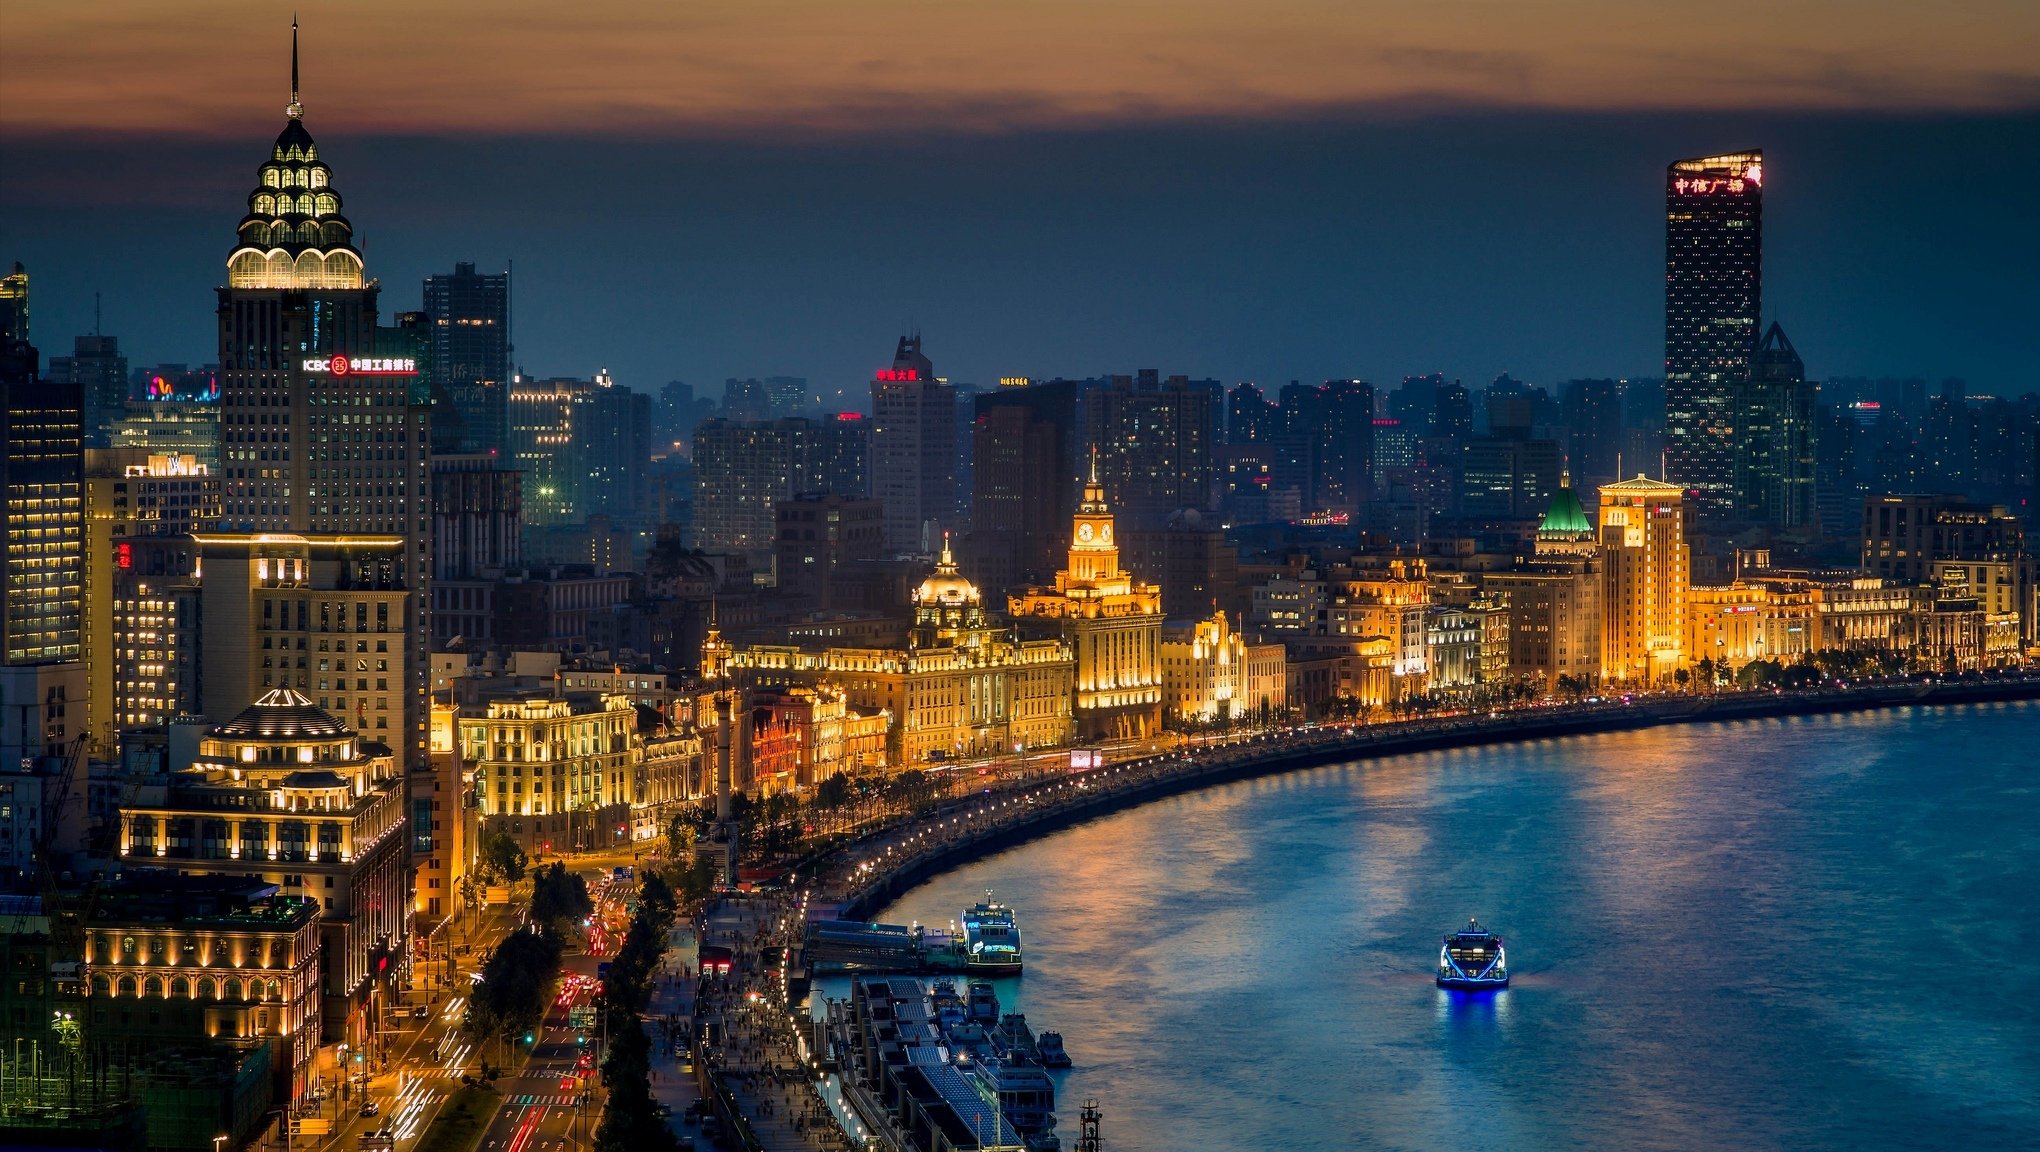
(991, 939)
(1473, 960)
(983, 1004)
(1050, 1046)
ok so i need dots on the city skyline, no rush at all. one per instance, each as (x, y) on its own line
(1355, 241)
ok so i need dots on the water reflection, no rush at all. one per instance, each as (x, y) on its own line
(1726, 936)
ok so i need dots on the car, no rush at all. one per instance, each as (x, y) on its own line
(370, 1108)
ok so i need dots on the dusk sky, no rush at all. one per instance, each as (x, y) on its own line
(1249, 191)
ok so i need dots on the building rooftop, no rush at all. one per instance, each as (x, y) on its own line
(282, 714)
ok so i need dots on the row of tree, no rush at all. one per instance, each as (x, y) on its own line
(630, 1122)
(517, 984)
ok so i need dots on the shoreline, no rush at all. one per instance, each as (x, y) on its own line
(1227, 764)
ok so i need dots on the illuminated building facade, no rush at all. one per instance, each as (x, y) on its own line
(1714, 252)
(1645, 579)
(320, 431)
(555, 772)
(1754, 620)
(286, 793)
(1554, 598)
(796, 737)
(172, 428)
(1212, 674)
(913, 449)
(1112, 621)
(960, 686)
(225, 958)
(1388, 600)
(42, 536)
(329, 616)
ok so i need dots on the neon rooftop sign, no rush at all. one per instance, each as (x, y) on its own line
(893, 374)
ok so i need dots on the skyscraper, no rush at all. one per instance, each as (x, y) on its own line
(469, 314)
(1774, 457)
(42, 531)
(1154, 440)
(584, 446)
(14, 305)
(320, 433)
(913, 449)
(1714, 252)
(1027, 442)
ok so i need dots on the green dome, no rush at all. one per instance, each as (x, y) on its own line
(1565, 518)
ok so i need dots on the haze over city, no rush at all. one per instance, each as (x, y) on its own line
(889, 576)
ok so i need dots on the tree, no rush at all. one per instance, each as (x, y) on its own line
(515, 988)
(500, 859)
(1681, 677)
(559, 899)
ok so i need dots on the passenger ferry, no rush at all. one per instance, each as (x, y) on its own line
(1473, 960)
(991, 939)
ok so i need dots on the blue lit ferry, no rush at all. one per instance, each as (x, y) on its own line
(1473, 960)
(991, 939)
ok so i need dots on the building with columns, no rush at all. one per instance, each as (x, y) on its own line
(286, 793)
(1112, 621)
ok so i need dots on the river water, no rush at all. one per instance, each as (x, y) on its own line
(1803, 933)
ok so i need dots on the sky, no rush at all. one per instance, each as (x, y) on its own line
(1284, 189)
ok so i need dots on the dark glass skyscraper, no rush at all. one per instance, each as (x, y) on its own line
(1714, 252)
(470, 319)
(1775, 442)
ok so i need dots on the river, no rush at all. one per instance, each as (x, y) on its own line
(1804, 933)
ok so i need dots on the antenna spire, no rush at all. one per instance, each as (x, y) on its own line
(296, 110)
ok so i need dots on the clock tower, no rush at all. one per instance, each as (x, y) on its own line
(1113, 621)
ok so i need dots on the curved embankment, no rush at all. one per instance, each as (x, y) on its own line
(1224, 765)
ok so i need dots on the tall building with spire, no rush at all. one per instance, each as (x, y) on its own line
(1714, 256)
(1112, 620)
(320, 433)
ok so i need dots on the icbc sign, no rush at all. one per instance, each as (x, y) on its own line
(362, 365)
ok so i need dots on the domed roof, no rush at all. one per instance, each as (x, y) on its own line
(945, 587)
(1565, 519)
(282, 714)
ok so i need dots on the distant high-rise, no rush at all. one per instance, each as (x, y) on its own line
(101, 373)
(584, 447)
(913, 450)
(470, 321)
(42, 530)
(1714, 253)
(744, 468)
(1027, 443)
(1593, 420)
(1251, 418)
(1326, 447)
(1155, 440)
(1774, 459)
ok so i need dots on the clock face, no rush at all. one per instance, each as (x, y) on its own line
(1084, 532)
(1105, 533)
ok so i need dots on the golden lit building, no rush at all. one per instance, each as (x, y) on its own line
(961, 686)
(1757, 620)
(1204, 671)
(287, 793)
(174, 958)
(130, 496)
(1645, 578)
(1112, 621)
(555, 772)
(1388, 600)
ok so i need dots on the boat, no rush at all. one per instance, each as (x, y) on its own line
(1050, 1046)
(1473, 960)
(984, 1003)
(991, 939)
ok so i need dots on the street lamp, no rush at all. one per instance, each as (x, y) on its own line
(217, 1141)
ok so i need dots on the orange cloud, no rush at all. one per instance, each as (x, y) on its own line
(214, 67)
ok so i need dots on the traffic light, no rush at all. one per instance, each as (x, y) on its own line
(580, 1039)
(530, 1039)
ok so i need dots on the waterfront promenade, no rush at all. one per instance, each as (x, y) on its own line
(763, 1062)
